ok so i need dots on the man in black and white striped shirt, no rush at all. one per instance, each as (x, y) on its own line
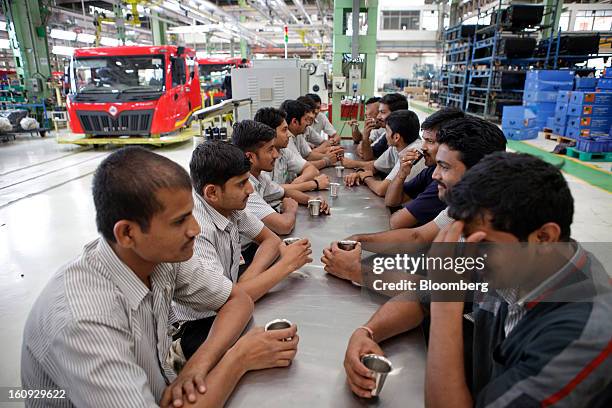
(99, 330)
(220, 178)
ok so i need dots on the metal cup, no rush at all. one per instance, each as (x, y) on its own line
(333, 189)
(314, 206)
(289, 241)
(380, 367)
(339, 170)
(347, 245)
(278, 324)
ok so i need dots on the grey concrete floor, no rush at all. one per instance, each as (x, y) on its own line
(47, 215)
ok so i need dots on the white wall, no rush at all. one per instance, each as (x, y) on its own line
(400, 68)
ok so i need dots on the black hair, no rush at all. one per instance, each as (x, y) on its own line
(270, 116)
(309, 102)
(473, 138)
(438, 118)
(316, 98)
(395, 101)
(125, 185)
(215, 162)
(373, 99)
(294, 110)
(406, 123)
(249, 135)
(521, 193)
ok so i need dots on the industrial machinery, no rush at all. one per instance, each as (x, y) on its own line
(269, 83)
(318, 74)
(132, 90)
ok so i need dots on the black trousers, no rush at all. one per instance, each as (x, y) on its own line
(194, 333)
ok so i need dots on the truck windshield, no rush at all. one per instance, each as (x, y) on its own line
(115, 74)
(214, 74)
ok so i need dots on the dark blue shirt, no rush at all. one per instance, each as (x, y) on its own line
(380, 146)
(423, 190)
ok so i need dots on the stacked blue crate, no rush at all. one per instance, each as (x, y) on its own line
(541, 92)
(518, 123)
(589, 121)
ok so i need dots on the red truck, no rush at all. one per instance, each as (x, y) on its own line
(132, 90)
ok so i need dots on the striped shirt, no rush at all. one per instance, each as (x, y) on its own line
(287, 167)
(551, 348)
(271, 192)
(99, 333)
(218, 245)
(256, 204)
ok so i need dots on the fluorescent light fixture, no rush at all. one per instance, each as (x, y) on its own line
(4, 44)
(393, 56)
(61, 50)
(86, 38)
(109, 42)
(63, 35)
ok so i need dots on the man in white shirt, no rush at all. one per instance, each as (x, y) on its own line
(257, 141)
(402, 133)
(321, 122)
(371, 111)
(99, 330)
(298, 120)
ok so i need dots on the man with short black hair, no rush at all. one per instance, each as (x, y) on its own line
(220, 178)
(462, 143)
(291, 171)
(99, 329)
(298, 120)
(321, 122)
(371, 111)
(257, 141)
(402, 133)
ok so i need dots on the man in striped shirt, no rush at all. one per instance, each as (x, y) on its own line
(100, 328)
(220, 178)
(257, 141)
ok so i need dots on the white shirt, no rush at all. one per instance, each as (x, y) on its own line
(443, 220)
(376, 134)
(299, 145)
(322, 124)
(270, 192)
(312, 136)
(287, 167)
(416, 169)
(99, 333)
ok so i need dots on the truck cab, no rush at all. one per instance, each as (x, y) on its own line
(132, 90)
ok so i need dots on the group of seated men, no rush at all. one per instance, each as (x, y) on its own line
(153, 311)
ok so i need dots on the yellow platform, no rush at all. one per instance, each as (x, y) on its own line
(178, 137)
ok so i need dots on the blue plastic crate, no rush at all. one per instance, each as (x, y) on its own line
(597, 123)
(560, 120)
(593, 144)
(563, 97)
(561, 109)
(550, 75)
(575, 133)
(585, 84)
(607, 73)
(550, 122)
(604, 83)
(541, 108)
(591, 98)
(531, 96)
(575, 109)
(517, 117)
(559, 130)
(521, 134)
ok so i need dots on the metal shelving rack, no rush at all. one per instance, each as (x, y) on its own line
(484, 91)
(455, 71)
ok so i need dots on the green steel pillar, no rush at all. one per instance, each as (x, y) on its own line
(26, 25)
(119, 23)
(553, 10)
(343, 45)
(158, 29)
(243, 44)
